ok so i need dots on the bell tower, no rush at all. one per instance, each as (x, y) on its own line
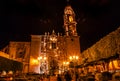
(72, 43)
(69, 21)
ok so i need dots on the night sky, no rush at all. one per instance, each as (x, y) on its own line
(21, 18)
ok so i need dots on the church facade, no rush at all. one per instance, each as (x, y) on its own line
(51, 52)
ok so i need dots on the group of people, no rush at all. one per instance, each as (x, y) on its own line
(66, 76)
(78, 76)
(98, 76)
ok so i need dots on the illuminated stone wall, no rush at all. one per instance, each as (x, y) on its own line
(34, 53)
(20, 51)
(4, 54)
(72, 46)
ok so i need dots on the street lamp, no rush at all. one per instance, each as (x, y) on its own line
(65, 64)
(74, 59)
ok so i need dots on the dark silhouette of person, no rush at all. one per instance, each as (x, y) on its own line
(59, 78)
(68, 76)
(106, 76)
(90, 79)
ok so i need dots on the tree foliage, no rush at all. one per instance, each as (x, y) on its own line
(105, 48)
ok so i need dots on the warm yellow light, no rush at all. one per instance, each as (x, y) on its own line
(114, 65)
(39, 58)
(67, 62)
(34, 62)
(50, 47)
(45, 58)
(70, 57)
(56, 55)
(73, 57)
(110, 65)
(70, 18)
(76, 57)
(53, 39)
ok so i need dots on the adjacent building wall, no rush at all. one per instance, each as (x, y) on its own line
(34, 53)
(20, 51)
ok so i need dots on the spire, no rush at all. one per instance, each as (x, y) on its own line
(53, 32)
(53, 37)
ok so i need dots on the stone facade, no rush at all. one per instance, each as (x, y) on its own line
(41, 46)
(72, 46)
(20, 51)
(45, 53)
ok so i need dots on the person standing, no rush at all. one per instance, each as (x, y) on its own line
(59, 78)
(68, 76)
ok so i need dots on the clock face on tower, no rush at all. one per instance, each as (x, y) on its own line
(70, 18)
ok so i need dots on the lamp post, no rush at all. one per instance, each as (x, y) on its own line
(74, 59)
(65, 64)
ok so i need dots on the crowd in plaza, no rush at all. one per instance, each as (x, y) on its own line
(96, 76)
(66, 76)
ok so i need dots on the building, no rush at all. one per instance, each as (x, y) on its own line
(54, 49)
(51, 52)
(104, 55)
